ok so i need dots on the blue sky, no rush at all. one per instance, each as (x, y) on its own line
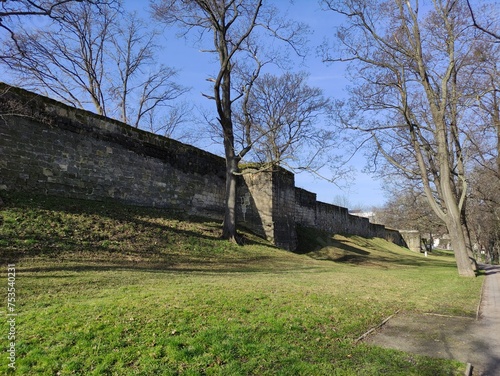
(195, 66)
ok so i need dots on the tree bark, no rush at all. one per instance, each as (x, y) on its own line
(229, 224)
(465, 264)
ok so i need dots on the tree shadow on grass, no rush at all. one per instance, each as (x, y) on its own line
(81, 230)
(263, 265)
(489, 269)
(361, 251)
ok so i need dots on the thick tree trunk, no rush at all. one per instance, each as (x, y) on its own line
(465, 265)
(468, 239)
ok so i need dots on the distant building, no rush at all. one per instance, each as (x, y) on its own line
(442, 242)
(364, 214)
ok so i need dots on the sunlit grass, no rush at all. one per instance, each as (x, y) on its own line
(105, 289)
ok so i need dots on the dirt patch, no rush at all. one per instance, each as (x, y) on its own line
(461, 338)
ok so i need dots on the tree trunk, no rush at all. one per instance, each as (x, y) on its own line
(468, 239)
(229, 224)
(232, 160)
(465, 265)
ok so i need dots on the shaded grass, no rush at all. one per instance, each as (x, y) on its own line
(105, 289)
(357, 250)
(81, 232)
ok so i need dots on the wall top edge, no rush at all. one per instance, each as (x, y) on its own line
(75, 115)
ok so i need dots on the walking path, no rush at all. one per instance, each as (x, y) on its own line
(464, 339)
(488, 326)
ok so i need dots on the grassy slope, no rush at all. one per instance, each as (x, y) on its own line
(104, 289)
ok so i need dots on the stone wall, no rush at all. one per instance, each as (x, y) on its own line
(336, 219)
(48, 147)
(268, 205)
(412, 239)
(255, 204)
(283, 183)
(58, 150)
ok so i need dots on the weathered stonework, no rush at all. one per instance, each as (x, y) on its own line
(412, 239)
(48, 147)
(78, 154)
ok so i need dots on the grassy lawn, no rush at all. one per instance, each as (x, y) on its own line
(104, 289)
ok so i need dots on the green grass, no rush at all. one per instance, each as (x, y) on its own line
(105, 289)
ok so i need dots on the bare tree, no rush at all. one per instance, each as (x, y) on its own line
(170, 123)
(15, 13)
(284, 112)
(483, 211)
(97, 56)
(408, 209)
(411, 66)
(488, 109)
(140, 80)
(483, 208)
(237, 29)
(68, 64)
(489, 28)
